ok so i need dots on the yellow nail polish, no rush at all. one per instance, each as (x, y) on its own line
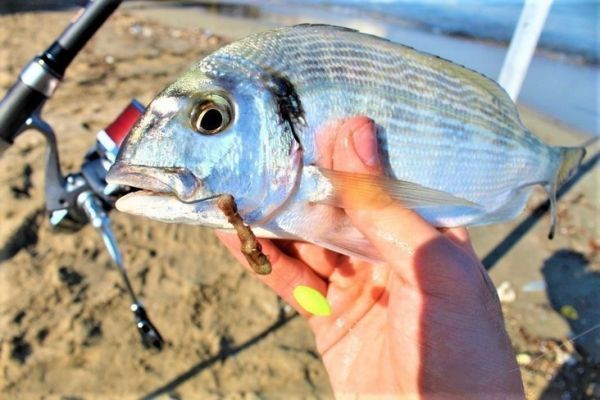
(312, 300)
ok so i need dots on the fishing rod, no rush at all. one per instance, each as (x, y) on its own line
(82, 197)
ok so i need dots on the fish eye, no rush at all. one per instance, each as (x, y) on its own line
(212, 115)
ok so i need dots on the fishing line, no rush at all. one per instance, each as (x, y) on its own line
(561, 346)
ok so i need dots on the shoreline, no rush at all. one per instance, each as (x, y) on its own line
(562, 55)
(566, 56)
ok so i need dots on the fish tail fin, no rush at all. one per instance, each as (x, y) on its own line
(570, 159)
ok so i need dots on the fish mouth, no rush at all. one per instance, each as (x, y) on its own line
(158, 181)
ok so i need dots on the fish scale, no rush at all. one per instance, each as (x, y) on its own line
(450, 139)
(378, 73)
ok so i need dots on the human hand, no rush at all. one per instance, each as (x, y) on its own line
(427, 321)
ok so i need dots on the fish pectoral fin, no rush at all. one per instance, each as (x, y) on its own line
(349, 241)
(360, 191)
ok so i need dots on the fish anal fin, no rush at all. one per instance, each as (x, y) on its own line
(349, 241)
(510, 209)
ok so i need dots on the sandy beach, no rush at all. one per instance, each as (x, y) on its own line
(65, 327)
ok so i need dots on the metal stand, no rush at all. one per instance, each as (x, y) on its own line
(100, 220)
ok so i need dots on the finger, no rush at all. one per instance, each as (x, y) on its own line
(287, 273)
(319, 259)
(460, 236)
(397, 232)
(324, 141)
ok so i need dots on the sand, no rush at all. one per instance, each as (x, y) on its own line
(66, 332)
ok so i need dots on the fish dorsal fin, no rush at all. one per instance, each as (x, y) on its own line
(324, 26)
(370, 191)
(327, 28)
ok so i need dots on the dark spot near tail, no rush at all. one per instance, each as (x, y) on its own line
(20, 349)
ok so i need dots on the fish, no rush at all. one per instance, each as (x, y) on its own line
(246, 119)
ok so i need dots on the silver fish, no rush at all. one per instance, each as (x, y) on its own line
(245, 121)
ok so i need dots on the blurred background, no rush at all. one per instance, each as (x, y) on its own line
(64, 328)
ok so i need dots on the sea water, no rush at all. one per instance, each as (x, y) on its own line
(572, 26)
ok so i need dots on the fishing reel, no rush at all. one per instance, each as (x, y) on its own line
(81, 197)
(85, 196)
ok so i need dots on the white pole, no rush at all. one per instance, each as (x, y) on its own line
(522, 45)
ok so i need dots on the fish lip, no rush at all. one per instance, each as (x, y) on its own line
(167, 208)
(175, 181)
(135, 176)
(166, 195)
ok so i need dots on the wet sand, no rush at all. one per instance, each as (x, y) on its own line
(66, 332)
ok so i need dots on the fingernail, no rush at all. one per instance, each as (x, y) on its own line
(364, 140)
(312, 301)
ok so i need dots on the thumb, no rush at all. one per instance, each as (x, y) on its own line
(396, 232)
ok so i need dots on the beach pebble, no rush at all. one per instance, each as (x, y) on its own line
(506, 293)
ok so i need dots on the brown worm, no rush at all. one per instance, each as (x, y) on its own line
(250, 248)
